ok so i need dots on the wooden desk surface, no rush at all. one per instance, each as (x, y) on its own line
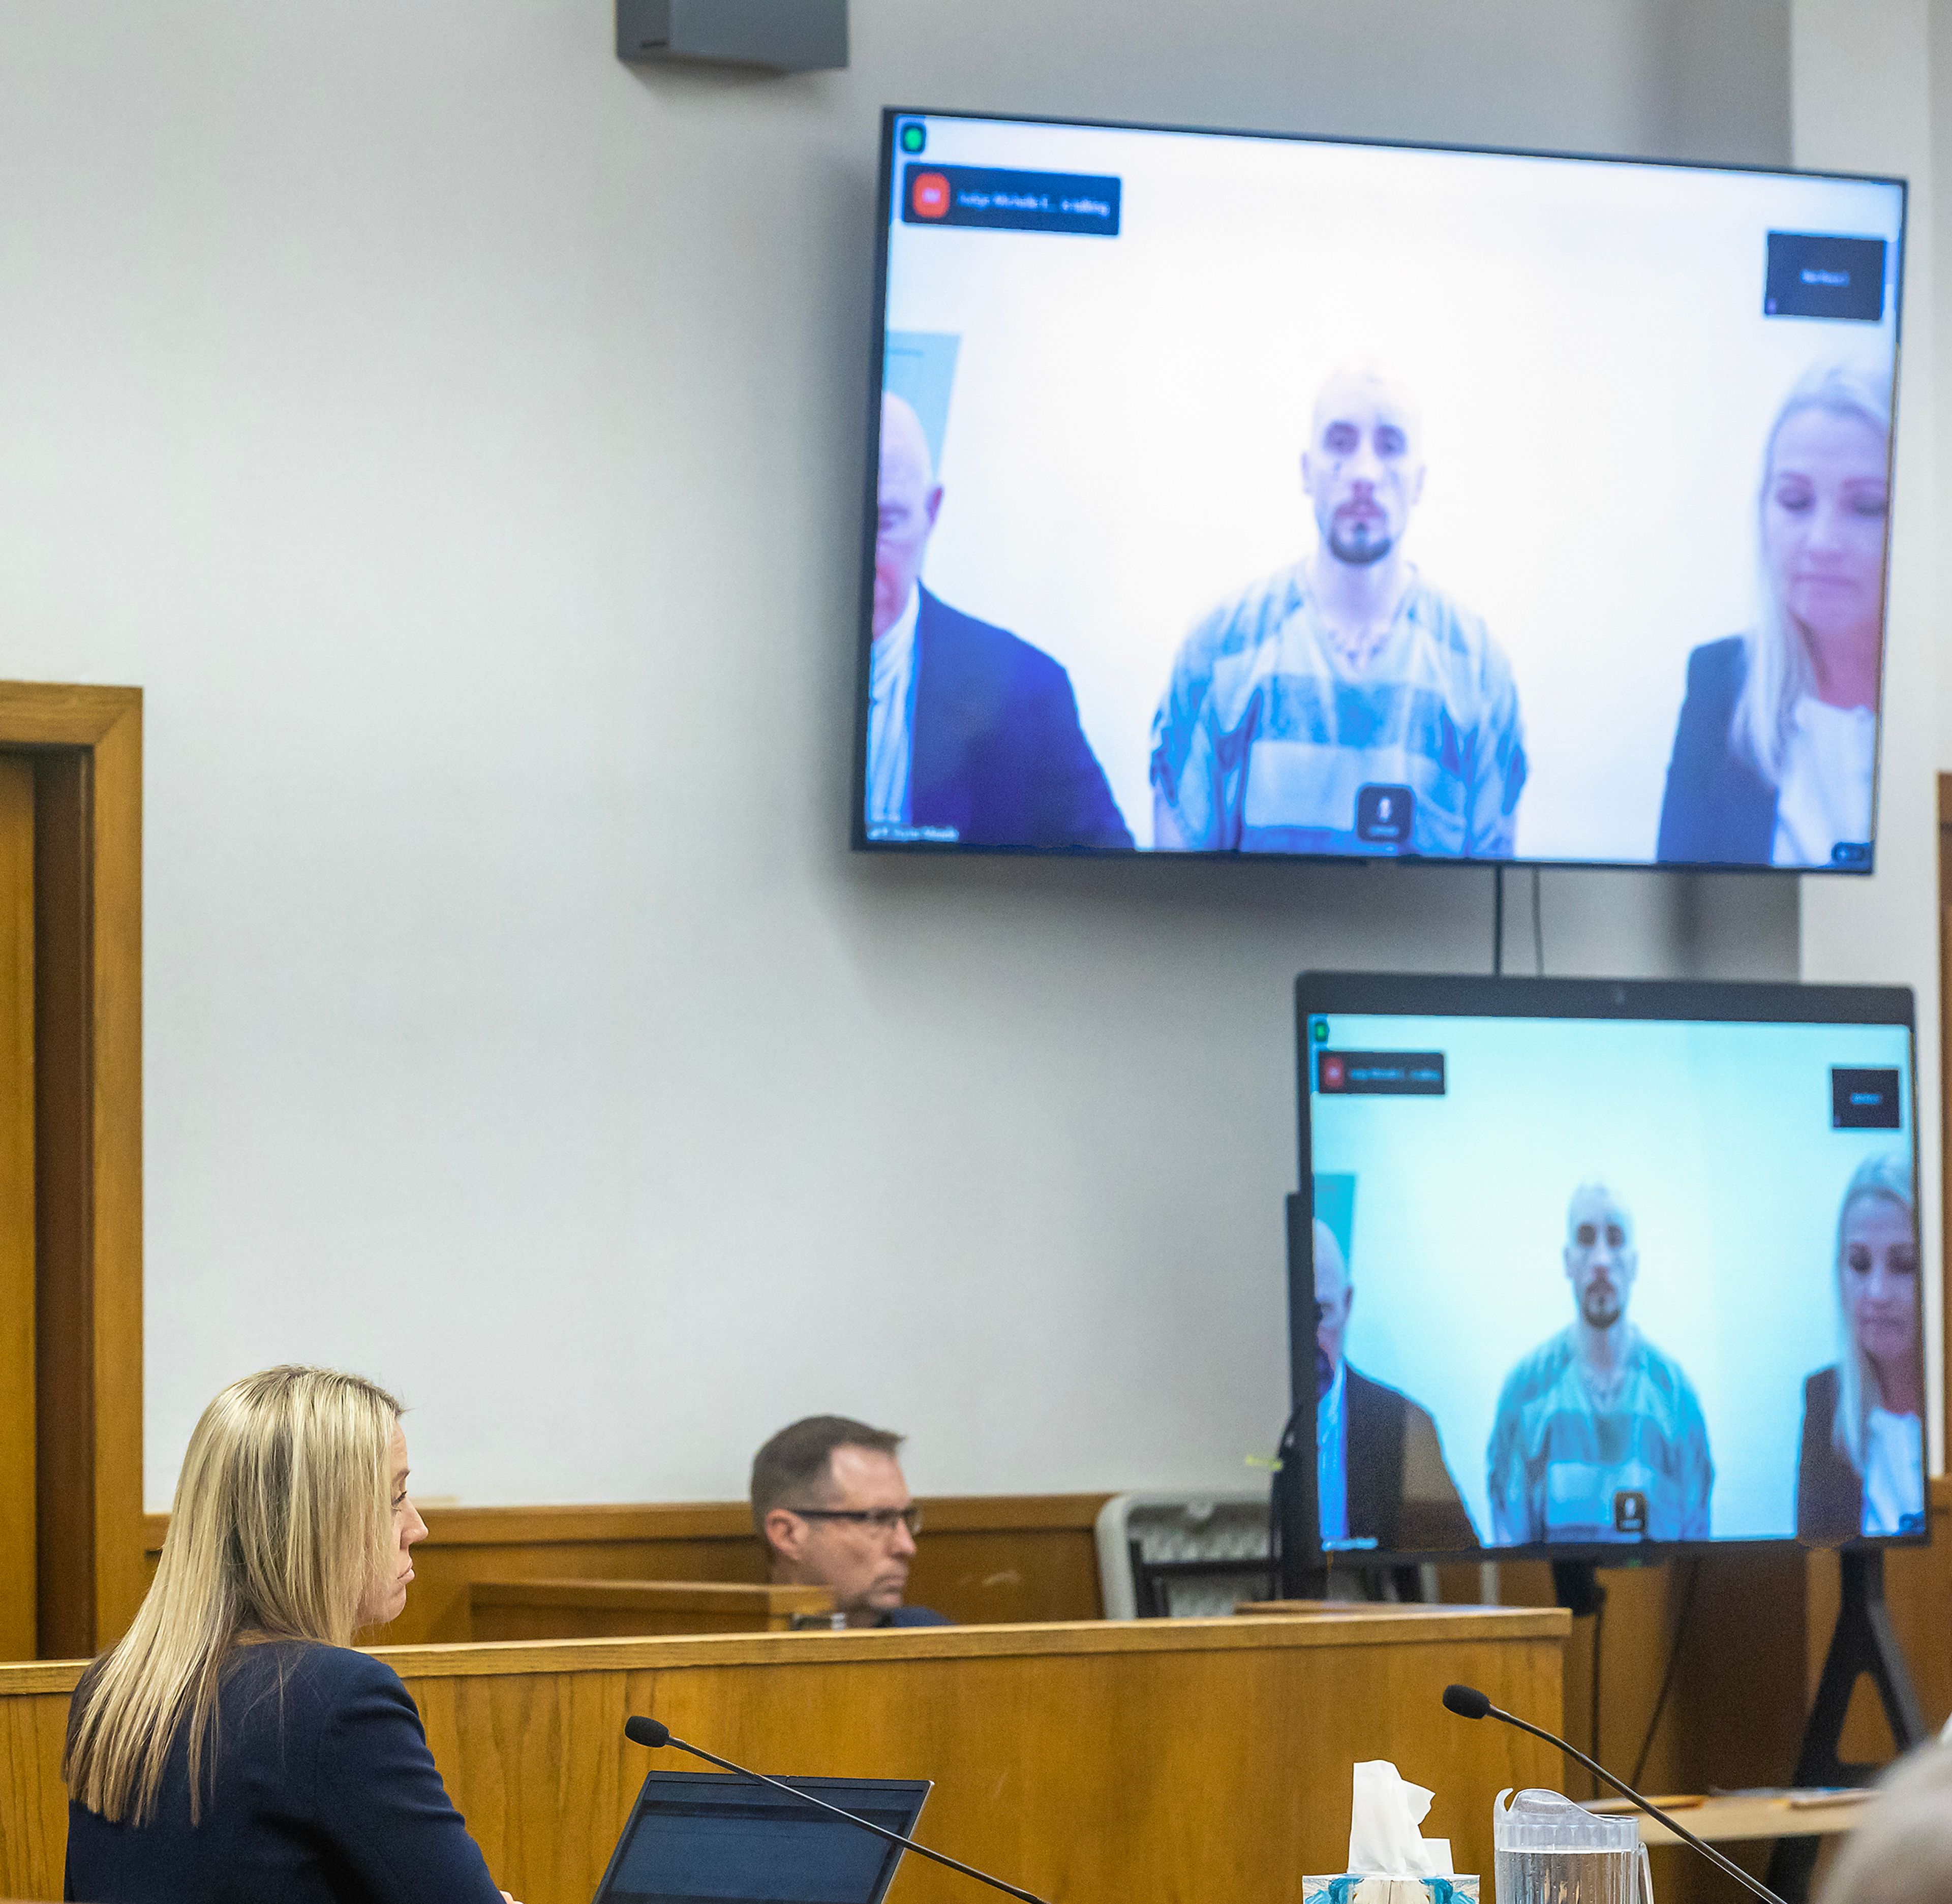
(1354, 1609)
(1736, 1816)
(678, 1595)
(591, 1609)
(1178, 1761)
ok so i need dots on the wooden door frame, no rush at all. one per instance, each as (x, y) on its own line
(86, 744)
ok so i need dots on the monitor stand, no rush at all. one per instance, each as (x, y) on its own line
(1575, 1585)
(1863, 1642)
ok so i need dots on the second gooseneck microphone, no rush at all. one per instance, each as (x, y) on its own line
(1468, 1703)
(641, 1731)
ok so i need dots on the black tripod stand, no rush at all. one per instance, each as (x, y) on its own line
(1863, 1642)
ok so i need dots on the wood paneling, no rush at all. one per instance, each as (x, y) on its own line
(982, 1559)
(116, 1135)
(85, 746)
(609, 1609)
(17, 1580)
(64, 1280)
(33, 1803)
(1754, 1640)
(1180, 1762)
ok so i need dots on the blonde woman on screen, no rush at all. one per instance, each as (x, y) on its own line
(1862, 1470)
(1776, 749)
(232, 1745)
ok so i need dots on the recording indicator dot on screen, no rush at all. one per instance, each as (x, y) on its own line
(914, 137)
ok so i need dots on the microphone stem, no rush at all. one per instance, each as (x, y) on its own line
(1654, 1811)
(866, 1824)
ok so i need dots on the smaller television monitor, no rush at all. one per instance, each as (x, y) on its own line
(1584, 1266)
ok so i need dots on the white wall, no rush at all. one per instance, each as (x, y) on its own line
(457, 435)
(1862, 99)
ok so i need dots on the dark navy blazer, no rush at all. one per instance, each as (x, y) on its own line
(325, 1794)
(995, 750)
(1379, 1423)
(1718, 810)
(1829, 1491)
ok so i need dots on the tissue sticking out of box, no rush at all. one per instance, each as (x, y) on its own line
(1383, 1837)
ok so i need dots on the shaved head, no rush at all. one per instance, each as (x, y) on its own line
(1601, 1262)
(905, 457)
(1363, 467)
(908, 498)
(1359, 382)
(1331, 1273)
(1331, 1305)
(1593, 1204)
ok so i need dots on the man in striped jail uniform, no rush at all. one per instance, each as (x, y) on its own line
(1343, 705)
(1598, 1435)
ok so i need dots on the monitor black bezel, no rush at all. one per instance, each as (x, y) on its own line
(914, 1789)
(859, 840)
(1660, 1000)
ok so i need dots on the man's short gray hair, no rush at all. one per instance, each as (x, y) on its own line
(796, 1466)
(1901, 1853)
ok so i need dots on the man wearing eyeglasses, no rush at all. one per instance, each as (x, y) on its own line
(830, 1502)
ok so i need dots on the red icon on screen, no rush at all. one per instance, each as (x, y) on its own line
(929, 195)
(1332, 1076)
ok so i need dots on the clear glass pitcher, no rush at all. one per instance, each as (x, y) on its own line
(1548, 1850)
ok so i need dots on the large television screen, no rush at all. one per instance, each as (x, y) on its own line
(1587, 1266)
(1239, 494)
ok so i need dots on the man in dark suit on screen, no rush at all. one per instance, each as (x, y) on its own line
(1381, 1477)
(973, 735)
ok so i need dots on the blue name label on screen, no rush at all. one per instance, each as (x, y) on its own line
(1864, 1100)
(1379, 1074)
(988, 197)
(1814, 274)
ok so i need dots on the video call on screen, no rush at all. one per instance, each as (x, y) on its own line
(1111, 350)
(1732, 1201)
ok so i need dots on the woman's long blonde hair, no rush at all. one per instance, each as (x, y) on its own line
(283, 1517)
(1887, 1175)
(1780, 670)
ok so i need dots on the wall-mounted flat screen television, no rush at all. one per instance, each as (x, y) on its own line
(1586, 1268)
(1237, 494)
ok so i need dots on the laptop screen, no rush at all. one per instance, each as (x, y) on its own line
(701, 1838)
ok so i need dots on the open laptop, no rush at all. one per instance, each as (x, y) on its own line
(710, 1838)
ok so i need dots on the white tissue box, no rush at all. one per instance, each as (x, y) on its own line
(1361, 1887)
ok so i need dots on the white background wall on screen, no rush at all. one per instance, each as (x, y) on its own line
(1128, 413)
(1718, 1143)
(460, 437)
(1863, 97)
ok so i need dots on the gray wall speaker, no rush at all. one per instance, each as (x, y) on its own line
(787, 35)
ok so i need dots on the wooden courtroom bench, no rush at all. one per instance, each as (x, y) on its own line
(611, 1609)
(1178, 1761)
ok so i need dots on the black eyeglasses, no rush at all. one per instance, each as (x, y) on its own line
(883, 1520)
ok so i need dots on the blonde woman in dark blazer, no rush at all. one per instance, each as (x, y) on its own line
(1862, 1469)
(1774, 753)
(233, 1746)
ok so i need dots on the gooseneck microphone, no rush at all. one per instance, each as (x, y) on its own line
(1468, 1703)
(641, 1731)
